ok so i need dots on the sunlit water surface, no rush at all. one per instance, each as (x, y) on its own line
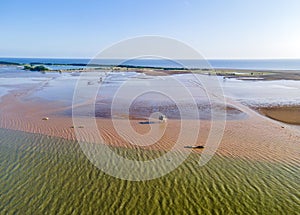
(45, 175)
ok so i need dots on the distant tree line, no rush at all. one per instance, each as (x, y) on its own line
(35, 68)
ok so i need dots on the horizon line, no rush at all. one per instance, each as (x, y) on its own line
(87, 58)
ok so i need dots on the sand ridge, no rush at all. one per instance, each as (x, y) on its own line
(256, 137)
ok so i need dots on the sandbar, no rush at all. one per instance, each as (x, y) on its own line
(255, 137)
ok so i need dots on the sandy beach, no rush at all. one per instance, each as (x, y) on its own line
(44, 160)
(256, 137)
(287, 114)
(149, 107)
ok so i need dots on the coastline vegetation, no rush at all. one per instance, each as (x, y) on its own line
(38, 68)
(8, 63)
(243, 74)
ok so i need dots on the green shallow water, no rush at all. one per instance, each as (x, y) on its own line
(45, 175)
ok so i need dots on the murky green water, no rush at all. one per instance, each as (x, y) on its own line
(43, 175)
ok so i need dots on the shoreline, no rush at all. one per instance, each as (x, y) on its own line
(254, 138)
(286, 114)
(240, 74)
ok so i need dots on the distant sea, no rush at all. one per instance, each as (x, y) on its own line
(57, 63)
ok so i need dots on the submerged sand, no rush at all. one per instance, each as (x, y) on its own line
(255, 137)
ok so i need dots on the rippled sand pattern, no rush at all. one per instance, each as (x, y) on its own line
(47, 175)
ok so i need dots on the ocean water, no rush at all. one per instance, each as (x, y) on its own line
(46, 175)
(272, 64)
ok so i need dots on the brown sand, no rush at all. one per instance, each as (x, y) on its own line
(256, 137)
(285, 114)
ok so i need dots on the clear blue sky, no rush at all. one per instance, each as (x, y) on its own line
(217, 29)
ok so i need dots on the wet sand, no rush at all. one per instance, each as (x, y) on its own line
(286, 114)
(256, 137)
(242, 74)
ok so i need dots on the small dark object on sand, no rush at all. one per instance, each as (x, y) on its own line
(146, 123)
(81, 126)
(162, 118)
(194, 147)
(45, 118)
